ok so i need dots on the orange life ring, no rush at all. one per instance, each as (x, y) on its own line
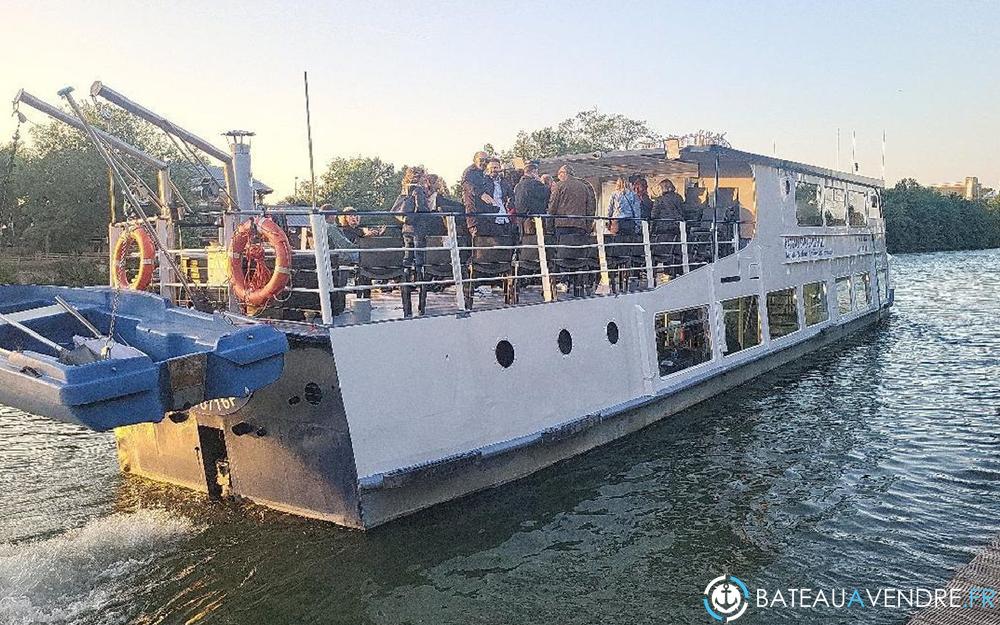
(257, 283)
(138, 237)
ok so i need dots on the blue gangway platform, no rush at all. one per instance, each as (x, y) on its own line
(161, 358)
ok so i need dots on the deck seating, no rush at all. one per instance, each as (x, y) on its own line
(492, 258)
(576, 259)
(620, 252)
(376, 264)
(437, 264)
(303, 269)
(529, 262)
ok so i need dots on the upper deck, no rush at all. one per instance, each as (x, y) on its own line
(731, 199)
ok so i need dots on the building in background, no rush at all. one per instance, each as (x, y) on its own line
(970, 189)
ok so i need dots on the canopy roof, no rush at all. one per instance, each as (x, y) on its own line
(693, 162)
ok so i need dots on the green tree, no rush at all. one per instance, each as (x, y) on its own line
(366, 183)
(57, 197)
(587, 131)
(920, 219)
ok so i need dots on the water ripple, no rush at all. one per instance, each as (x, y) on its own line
(872, 464)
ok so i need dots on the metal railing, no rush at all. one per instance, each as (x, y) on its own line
(617, 263)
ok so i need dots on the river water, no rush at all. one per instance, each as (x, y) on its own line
(875, 464)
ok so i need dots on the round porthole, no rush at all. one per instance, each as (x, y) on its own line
(505, 353)
(612, 332)
(293, 400)
(565, 342)
(314, 394)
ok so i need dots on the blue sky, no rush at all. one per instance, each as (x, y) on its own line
(430, 82)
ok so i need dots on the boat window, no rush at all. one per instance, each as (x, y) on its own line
(876, 205)
(816, 308)
(844, 295)
(807, 205)
(683, 339)
(883, 284)
(835, 206)
(862, 290)
(857, 209)
(782, 312)
(742, 321)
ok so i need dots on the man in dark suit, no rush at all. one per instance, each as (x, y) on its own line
(531, 197)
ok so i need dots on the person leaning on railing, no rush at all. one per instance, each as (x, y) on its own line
(571, 196)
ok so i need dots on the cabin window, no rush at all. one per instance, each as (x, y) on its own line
(807, 205)
(862, 291)
(844, 295)
(782, 312)
(883, 284)
(876, 205)
(683, 339)
(816, 308)
(835, 206)
(742, 321)
(857, 209)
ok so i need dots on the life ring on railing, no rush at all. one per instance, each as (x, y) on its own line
(134, 237)
(252, 281)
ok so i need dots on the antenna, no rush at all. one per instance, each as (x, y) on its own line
(854, 151)
(309, 133)
(318, 226)
(883, 156)
(838, 149)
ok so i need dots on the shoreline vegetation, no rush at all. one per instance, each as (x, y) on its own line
(54, 192)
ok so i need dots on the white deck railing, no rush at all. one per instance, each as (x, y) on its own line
(604, 267)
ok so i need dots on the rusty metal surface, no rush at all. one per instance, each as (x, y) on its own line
(187, 380)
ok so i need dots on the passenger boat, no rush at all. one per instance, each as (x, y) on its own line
(381, 412)
(106, 359)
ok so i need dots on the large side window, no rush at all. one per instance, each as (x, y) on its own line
(862, 290)
(883, 284)
(683, 339)
(857, 209)
(742, 320)
(816, 308)
(844, 295)
(782, 312)
(807, 211)
(835, 206)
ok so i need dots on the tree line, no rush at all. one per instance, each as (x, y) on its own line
(54, 188)
(920, 219)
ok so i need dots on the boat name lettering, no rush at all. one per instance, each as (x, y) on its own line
(802, 247)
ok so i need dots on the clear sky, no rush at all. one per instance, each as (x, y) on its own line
(431, 82)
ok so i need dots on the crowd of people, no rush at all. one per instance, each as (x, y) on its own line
(499, 207)
(502, 203)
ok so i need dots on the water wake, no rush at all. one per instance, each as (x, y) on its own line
(75, 576)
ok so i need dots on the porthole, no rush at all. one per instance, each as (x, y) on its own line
(293, 400)
(314, 394)
(505, 353)
(565, 342)
(612, 332)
